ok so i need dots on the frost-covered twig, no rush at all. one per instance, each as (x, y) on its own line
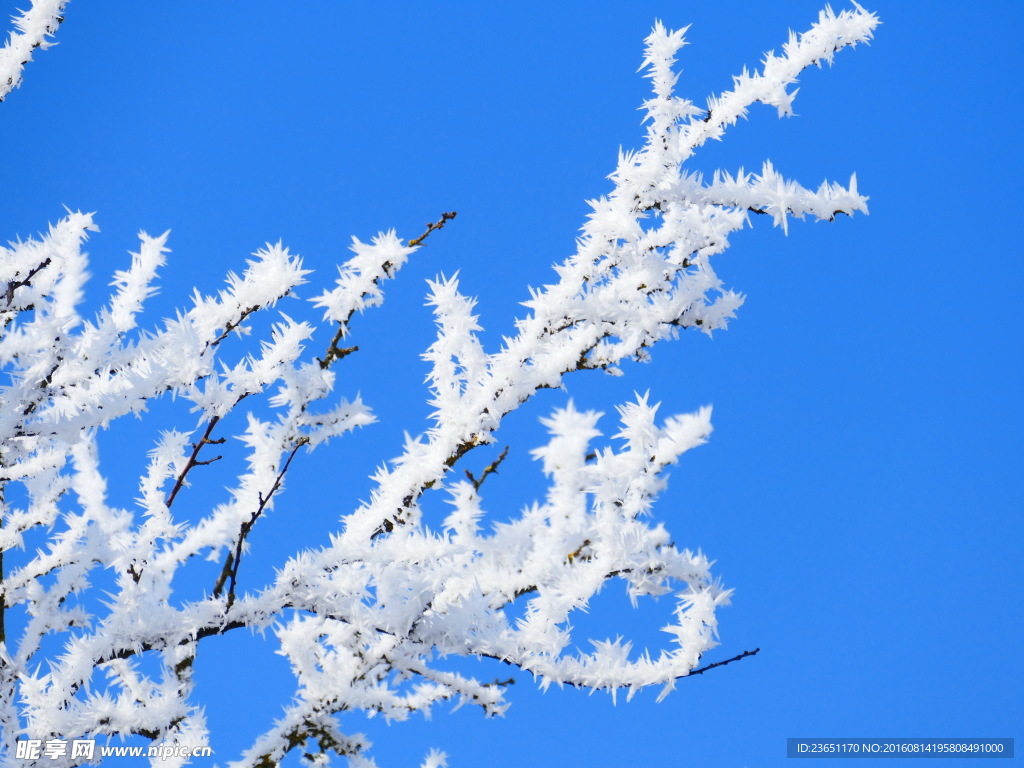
(229, 573)
(338, 304)
(32, 30)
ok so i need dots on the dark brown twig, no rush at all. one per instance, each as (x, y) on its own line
(229, 573)
(334, 352)
(193, 460)
(702, 670)
(490, 469)
(14, 285)
(230, 326)
(445, 218)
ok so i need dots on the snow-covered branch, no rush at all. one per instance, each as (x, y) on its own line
(367, 621)
(32, 29)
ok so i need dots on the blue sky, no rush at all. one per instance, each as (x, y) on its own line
(862, 490)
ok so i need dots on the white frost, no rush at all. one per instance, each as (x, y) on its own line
(367, 620)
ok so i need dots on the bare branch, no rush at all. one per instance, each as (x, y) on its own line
(229, 573)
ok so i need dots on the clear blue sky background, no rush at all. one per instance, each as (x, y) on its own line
(862, 490)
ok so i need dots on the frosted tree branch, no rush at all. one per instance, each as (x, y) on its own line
(32, 30)
(375, 620)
